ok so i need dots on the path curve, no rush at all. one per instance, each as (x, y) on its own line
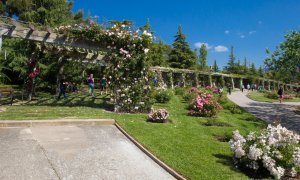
(269, 112)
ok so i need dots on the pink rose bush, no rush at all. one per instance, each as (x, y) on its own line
(160, 115)
(275, 150)
(204, 104)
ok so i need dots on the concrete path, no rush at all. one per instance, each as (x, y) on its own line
(270, 112)
(73, 152)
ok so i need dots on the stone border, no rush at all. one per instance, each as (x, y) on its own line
(149, 154)
(56, 122)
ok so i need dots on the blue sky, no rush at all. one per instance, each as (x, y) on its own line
(250, 26)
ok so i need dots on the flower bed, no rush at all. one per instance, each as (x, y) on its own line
(275, 151)
(158, 116)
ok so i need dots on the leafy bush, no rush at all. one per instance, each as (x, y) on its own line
(271, 95)
(158, 116)
(179, 91)
(163, 96)
(288, 96)
(204, 105)
(274, 151)
(234, 109)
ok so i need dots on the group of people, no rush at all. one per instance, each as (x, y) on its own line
(249, 87)
(73, 87)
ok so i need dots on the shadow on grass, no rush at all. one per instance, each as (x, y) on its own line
(73, 100)
(227, 160)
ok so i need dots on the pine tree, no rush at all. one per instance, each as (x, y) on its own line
(253, 70)
(147, 26)
(181, 55)
(245, 67)
(215, 66)
(260, 71)
(230, 68)
(203, 57)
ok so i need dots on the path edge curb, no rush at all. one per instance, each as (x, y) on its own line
(149, 154)
(55, 122)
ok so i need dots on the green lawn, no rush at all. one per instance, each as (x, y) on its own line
(184, 144)
(257, 96)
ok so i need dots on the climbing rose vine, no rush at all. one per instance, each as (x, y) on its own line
(275, 150)
(126, 58)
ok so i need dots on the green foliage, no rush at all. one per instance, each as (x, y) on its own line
(271, 95)
(203, 57)
(179, 91)
(215, 66)
(181, 55)
(230, 68)
(158, 54)
(284, 62)
(163, 96)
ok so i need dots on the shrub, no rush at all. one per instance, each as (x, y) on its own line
(273, 151)
(179, 91)
(204, 105)
(288, 96)
(234, 109)
(271, 95)
(159, 116)
(163, 96)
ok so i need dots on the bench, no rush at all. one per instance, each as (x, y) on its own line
(7, 93)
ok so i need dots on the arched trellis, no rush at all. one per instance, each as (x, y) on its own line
(209, 78)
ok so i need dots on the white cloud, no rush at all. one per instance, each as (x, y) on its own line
(220, 48)
(242, 36)
(251, 32)
(259, 22)
(199, 44)
(227, 32)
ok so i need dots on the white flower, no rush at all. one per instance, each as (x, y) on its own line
(296, 156)
(146, 50)
(254, 152)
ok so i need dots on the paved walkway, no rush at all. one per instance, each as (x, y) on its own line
(270, 112)
(73, 152)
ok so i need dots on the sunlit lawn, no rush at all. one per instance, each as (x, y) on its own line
(184, 144)
(258, 96)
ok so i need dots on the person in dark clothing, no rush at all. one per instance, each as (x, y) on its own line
(280, 93)
(62, 89)
(229, 89)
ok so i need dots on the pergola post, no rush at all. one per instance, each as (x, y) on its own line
(183, 79)
(210, 80)
(263, 84)
(269, 85)
(171, 80)
(196, 79)
(232, 82)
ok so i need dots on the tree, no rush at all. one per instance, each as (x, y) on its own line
(260, 71)
(245, 67)
(284, 62)
(203, 57)
(215, 66)
(253, 70)
(158, 54)
(181, 55)
(230, 68)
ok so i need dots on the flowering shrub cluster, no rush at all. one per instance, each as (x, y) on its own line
(275, 149)
(160, 115)
(126, 56)
(204, 105)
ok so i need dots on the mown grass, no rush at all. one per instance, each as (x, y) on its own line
(258, 96)
(185, 144)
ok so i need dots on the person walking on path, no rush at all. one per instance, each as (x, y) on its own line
(229, 89)
(62, 89)
(248, 87)
(103, 83)
(280, 93)
(91, 85)
(243, 87)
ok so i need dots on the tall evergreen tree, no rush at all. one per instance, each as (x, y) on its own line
(215, 66)
(181, 55)
(203, 57)
(245, 67)
(253, 70)
(230, 68)
(260, 71)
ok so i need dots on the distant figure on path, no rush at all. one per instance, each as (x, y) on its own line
(91, 85)
(280, 93)
(243, 87)
(229, 89)
(62, 89)
(252, 87)
(248, 87)
(103, 83)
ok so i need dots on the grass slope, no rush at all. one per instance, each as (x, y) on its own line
(184, 144)
(257, 96)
